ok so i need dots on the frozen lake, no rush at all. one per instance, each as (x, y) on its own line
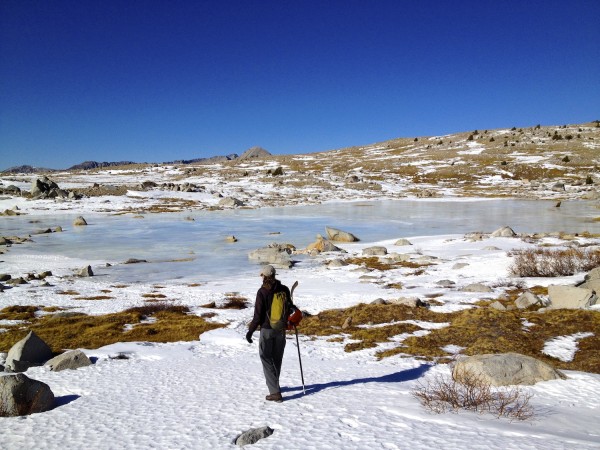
(177, 247)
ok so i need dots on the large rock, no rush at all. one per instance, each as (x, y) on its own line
(29, 351)
(253, 435)
(322, 245)
(571, 297)
(41, 187)
(593, 274)
(20, 396)
(505, 369)
(504, 232)
(73, 359)
(339, 235)
(278, 255)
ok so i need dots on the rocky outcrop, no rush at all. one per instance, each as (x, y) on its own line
(20, 396)
(29, 351)
(336, 235)
(73, 359)
(571, 297)
(505, 369)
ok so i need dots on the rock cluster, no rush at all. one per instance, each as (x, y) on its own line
(21, 395)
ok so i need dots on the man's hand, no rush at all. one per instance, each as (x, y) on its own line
(249, 336)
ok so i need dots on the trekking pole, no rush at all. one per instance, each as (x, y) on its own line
(297, 341)
(300, 360)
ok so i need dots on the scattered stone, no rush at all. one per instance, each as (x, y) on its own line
(476, 287)
(375, 251)
(504, 232)
(336, 263)
(527, 299)
(4, 277)
(29, 351)
(379, 301)
(73, 359)
(79, 222)
(230, 202)
(459, 266)
(231, 239)
(58, 230)
(252, 436)
(322, 245)
(340, 236)
(16, 281)
(85, 272)
(491, 248)
(347, 323)
(446, 283)
(21, 396)
(558, 187)
(570, 297)
(497, 305)
(135, 261)
(412, 302)
(403, 241)
(506, 369)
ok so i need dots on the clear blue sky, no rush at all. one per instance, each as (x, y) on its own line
(153, 81)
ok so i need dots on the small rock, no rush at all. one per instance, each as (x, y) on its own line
(135, 261)
(412, 302)
(347, 323)
(375, 251)
(446, 283)
(339, 235)
(231, 239)
(79, 221)
(85, 272)
(527, 299)
(401, 242)
(21, 396)
(252, 436)
(497, 305)
(476, 287)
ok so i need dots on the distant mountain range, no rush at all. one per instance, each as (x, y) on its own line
(254, 152)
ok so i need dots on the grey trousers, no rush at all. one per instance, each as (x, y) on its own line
(270, 348)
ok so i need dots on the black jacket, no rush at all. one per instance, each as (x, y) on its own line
(264, 298)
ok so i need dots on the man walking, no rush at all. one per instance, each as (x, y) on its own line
(272, 342)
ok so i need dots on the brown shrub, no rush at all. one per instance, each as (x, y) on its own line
(545, 262)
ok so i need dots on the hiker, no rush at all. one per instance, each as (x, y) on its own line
(272, 342)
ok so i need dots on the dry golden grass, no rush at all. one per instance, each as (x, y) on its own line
(18, 312)
(173, 323)
(95, 297)
(479, 330)
(154, 296)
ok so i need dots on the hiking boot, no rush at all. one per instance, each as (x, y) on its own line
(274, 397)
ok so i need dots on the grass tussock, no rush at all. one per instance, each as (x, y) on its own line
(95, 297)
(18, 312)
(172, 323)
(374, 263)
(545, 262)
(478, 330)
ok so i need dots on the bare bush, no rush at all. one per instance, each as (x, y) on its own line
(472, 393)
(543, 262)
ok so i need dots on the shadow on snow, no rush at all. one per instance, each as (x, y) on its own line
(396, 377)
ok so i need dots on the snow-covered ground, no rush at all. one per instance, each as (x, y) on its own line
(202, 394)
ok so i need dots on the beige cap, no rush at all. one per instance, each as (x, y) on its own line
(267, 271)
